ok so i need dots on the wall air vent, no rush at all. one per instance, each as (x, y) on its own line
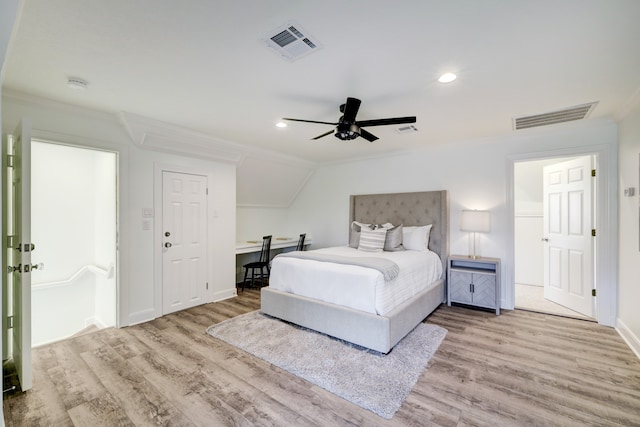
(570, 114)
(291, 41)
(407, 129)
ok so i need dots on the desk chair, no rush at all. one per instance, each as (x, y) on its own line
(257, 267)
(300, 246)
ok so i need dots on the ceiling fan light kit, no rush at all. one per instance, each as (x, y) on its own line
(348, 128)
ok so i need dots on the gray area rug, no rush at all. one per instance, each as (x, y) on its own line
(372, 380)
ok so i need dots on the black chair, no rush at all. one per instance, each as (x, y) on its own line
(300, 246)
(257, 268)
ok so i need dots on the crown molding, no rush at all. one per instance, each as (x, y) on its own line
(156, 135)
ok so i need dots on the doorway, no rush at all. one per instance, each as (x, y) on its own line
(538, 260)
(74, 225)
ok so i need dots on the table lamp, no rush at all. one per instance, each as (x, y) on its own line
(475, 222)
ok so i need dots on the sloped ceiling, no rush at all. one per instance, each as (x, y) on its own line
(202, 66)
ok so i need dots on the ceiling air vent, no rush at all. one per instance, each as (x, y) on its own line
(291, 41)
(407, 129)
(570, 114)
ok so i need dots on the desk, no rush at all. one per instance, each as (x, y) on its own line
(276, 243)
(247, 251)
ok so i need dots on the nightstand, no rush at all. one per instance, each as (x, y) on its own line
(474, 281)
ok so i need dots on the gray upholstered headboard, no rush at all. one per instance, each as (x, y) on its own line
(409, 209)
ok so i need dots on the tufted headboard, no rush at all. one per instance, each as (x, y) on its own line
(408, 209)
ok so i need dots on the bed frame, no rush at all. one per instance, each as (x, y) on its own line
(379, 333)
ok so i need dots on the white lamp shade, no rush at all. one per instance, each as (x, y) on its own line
(475, 221)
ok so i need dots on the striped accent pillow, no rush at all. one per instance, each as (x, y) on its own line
(372, 240)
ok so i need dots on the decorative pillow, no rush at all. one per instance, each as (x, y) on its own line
(354, 233)
(386, 226)
(393, 240)
(372, 240)
(416, 238)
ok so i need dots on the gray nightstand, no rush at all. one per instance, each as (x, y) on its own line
(474, 281)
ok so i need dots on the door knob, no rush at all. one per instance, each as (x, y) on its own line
(167, 245)
(38, 266)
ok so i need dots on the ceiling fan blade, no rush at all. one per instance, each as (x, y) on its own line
(351, 110)
(309, 121)
(390, 121)
(367, 135)
(324, 134)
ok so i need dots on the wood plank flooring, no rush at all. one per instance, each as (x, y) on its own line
(519, 368)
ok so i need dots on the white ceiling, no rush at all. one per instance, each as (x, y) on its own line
(201, 65)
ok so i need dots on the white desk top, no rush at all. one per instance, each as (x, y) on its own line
(276, 243)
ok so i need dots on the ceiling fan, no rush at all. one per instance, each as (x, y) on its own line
(348, 127)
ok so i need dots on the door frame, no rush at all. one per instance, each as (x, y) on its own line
(157, 218)
(122, 207)
(606, 212)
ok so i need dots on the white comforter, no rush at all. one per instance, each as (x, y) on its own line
(357, 287)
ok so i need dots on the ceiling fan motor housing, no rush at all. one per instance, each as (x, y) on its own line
(346, 131)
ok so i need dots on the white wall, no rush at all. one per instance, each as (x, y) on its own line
(73, 224)
(104, 252)
(63, 210)
(139, 285)
(528, 223)
(629, 236)
(474, 172)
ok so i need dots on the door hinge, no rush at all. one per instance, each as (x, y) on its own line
(593, 172)
(10, 160)
(593, 292)
(207, 192)
(10, 241)
(27, 247)
(207, 285)
(593, 232)
(9, 322)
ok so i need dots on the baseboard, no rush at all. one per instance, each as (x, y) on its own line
(629, 337)
(225, 294)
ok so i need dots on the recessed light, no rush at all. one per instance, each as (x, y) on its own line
(281, 125)
(447, 78)
(76, 83)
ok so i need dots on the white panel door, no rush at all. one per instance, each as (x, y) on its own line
(184, 241)
(568, 249)
(18, 247)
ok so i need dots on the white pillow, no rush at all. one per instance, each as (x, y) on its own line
(372, 240)
(416, 238)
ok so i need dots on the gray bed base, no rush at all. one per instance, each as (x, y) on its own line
(379, 333)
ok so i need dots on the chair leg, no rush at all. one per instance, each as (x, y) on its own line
(253, 277)
(244, 281)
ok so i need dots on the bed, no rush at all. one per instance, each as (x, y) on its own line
(366, 323)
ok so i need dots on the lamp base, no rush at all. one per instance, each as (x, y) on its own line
(475, 253)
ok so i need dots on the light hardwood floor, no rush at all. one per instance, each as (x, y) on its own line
(519, 368)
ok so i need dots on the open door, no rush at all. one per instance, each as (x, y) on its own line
(17, 248)
(568, 224)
